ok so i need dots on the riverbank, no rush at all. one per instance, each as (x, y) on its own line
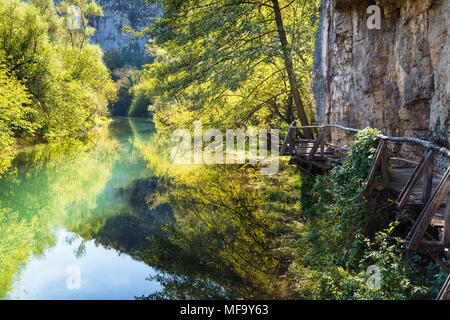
(54, 204)
(198, 231)
(342, 243)
(25, 150)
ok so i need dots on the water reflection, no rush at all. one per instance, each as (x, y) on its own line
(219, 246)
(77, 192)
(103, 273)
(195, 232)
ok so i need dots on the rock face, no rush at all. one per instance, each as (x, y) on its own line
(118, 13)
(395, 78)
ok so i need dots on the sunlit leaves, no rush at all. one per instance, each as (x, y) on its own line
(221, 62)
(52, 88)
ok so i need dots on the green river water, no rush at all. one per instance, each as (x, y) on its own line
(109, 222)
(80, 220)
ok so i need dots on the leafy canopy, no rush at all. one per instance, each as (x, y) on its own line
(222, 62)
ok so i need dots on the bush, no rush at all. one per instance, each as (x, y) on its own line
(344, 234)
(140, 105)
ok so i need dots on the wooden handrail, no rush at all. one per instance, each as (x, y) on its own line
(445, 290)
(423, 143)
(424, 220)
(431, 201)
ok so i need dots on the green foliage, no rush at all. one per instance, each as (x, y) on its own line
(338, 233)
(135, 59)
(53, 82)
(222, 62)
(141, 104)
(14, 114)
(113, 60)
(125, 67)
(116, 60)
(124, 78)
(339, 203)
(75, 17)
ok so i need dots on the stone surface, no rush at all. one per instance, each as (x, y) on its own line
(395, 79)
(118, 13)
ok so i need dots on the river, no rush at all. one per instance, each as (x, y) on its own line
(68, 203)
(100, 223)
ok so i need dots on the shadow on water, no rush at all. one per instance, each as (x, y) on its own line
(199, 231)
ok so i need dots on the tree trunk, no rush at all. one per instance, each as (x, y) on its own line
(289, 115)
(290, 70)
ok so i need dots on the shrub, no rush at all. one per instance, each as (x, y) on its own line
(344, 234)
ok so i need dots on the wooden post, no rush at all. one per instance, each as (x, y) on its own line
(385, 168)
(286, 139)
(446, 238)
(317, 144)
(290, 136)
(428, 181)
(424, 220)
(414, 179)
(376, 161)
(291, 141)
(322, 148)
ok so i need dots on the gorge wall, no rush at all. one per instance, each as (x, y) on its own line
(395, 78)
(118, 13)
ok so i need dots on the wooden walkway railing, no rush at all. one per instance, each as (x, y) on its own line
(421, 189)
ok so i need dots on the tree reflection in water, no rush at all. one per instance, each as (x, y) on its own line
(220, 243)
(202, 227)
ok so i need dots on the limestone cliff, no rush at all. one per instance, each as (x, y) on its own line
(117, 13)
(395, 78)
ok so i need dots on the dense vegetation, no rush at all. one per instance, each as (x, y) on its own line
(343, 237)
(125, 67)
(53, 83)
(231, 63)
(232, 233)
(247, 64)
(238, 234)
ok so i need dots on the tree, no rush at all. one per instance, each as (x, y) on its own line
(290, 68)
(14, 114)
(50, 89)
(76, 17)
(232, 63)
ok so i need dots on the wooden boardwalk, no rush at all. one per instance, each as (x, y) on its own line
(422, 192)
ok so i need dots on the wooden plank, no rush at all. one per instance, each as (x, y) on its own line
(322, 148)
(290, 136)
(444, 294)
(438, 260)
(431, 246)
(385, 168)
(317, 144)
(428, 181)
(414, 179)
(421, 225)
(446, 238)
(376, 161)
